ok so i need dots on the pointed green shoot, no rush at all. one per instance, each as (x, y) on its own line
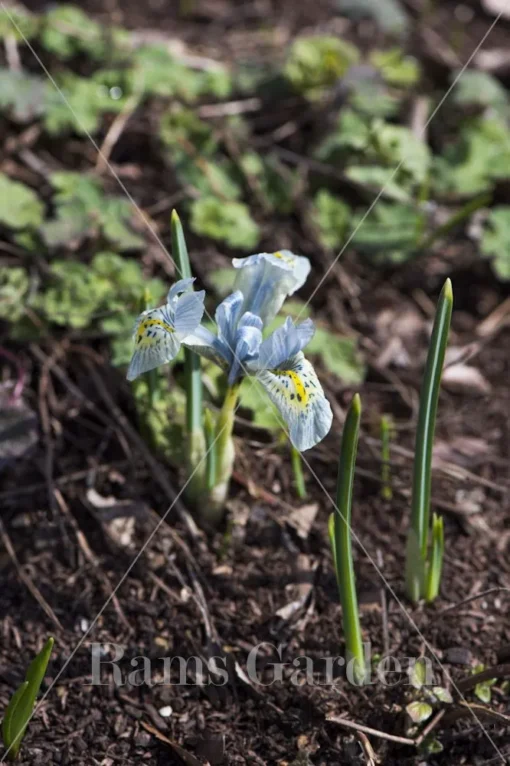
(435, 563)
(340, 530)
(297, 470)
(386, 429)
(20, 708)
(195, 436)
(422, 471)
(191, 360)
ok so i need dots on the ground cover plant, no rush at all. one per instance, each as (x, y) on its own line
(367, 143)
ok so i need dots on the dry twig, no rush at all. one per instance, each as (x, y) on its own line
(34, 590)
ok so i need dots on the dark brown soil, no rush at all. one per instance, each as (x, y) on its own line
(190, 594)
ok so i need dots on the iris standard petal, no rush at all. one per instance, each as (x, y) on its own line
(227, 316)
(284, 343)
(248, 340)
(156, 341)
(296, 391)
(188, 311)
(266, 279)
(250, 320)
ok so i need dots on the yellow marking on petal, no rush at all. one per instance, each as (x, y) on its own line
(301, 392)
(145, 326)
(285, 258)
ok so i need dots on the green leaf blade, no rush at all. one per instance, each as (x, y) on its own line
(22, 703)
(342, 541)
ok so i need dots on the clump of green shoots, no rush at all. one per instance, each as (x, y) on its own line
(341, 545)
(425, 544)
(20, 708)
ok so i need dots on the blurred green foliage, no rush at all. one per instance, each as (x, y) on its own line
(476, 160)
(20, 207)
(79, 293)
(389, 15)
(396, 68)
(495, 242)
(224, 220)
(14, 286)
(331, 216)
(389, 233)
(67, 31)
(17, 22)
(314, 63)
(480, 89)
(75, 228)
(23, 97)
(82, 209)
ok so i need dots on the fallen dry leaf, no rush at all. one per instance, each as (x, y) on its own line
(497, 8)
(470, 501)
(462, 450)
(302, 519)
(462, 378)
(496, 60)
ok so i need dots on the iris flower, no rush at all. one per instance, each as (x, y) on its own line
(262, 284)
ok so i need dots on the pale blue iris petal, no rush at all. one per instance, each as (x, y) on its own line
(158, 332)
(156, 341)
(227, 316)
(301, 269)
(203, 342)
(296, 391)
(250, 320)
(188, 311)
(274, 350)
(266, 279)
(248, 340)
(305, 332)
(284, 343)
(181, 286)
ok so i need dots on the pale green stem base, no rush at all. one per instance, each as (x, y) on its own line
(196, 464)
(297, 469)
(212, 506)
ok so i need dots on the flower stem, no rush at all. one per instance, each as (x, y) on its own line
(340, 532)
(224, 428)
(213, 501)
(297, 470)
